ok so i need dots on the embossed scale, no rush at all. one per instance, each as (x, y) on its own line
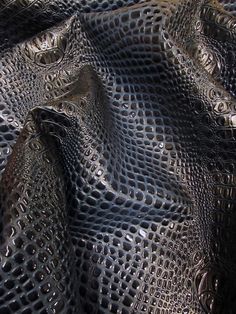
(117, 157)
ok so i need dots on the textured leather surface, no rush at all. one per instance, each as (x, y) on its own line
(117, 151)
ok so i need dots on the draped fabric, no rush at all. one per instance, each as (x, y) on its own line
(117, 156)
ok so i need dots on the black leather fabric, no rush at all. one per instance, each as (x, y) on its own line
(117, 157)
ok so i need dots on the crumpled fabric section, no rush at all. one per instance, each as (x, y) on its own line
(117, 159)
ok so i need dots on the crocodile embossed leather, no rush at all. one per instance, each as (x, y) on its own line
(117, 157)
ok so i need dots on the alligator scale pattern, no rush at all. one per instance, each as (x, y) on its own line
(117, 156)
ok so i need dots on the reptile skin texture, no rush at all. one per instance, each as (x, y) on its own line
(117, 156)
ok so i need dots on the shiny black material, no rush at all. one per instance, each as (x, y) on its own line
(118, 174)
